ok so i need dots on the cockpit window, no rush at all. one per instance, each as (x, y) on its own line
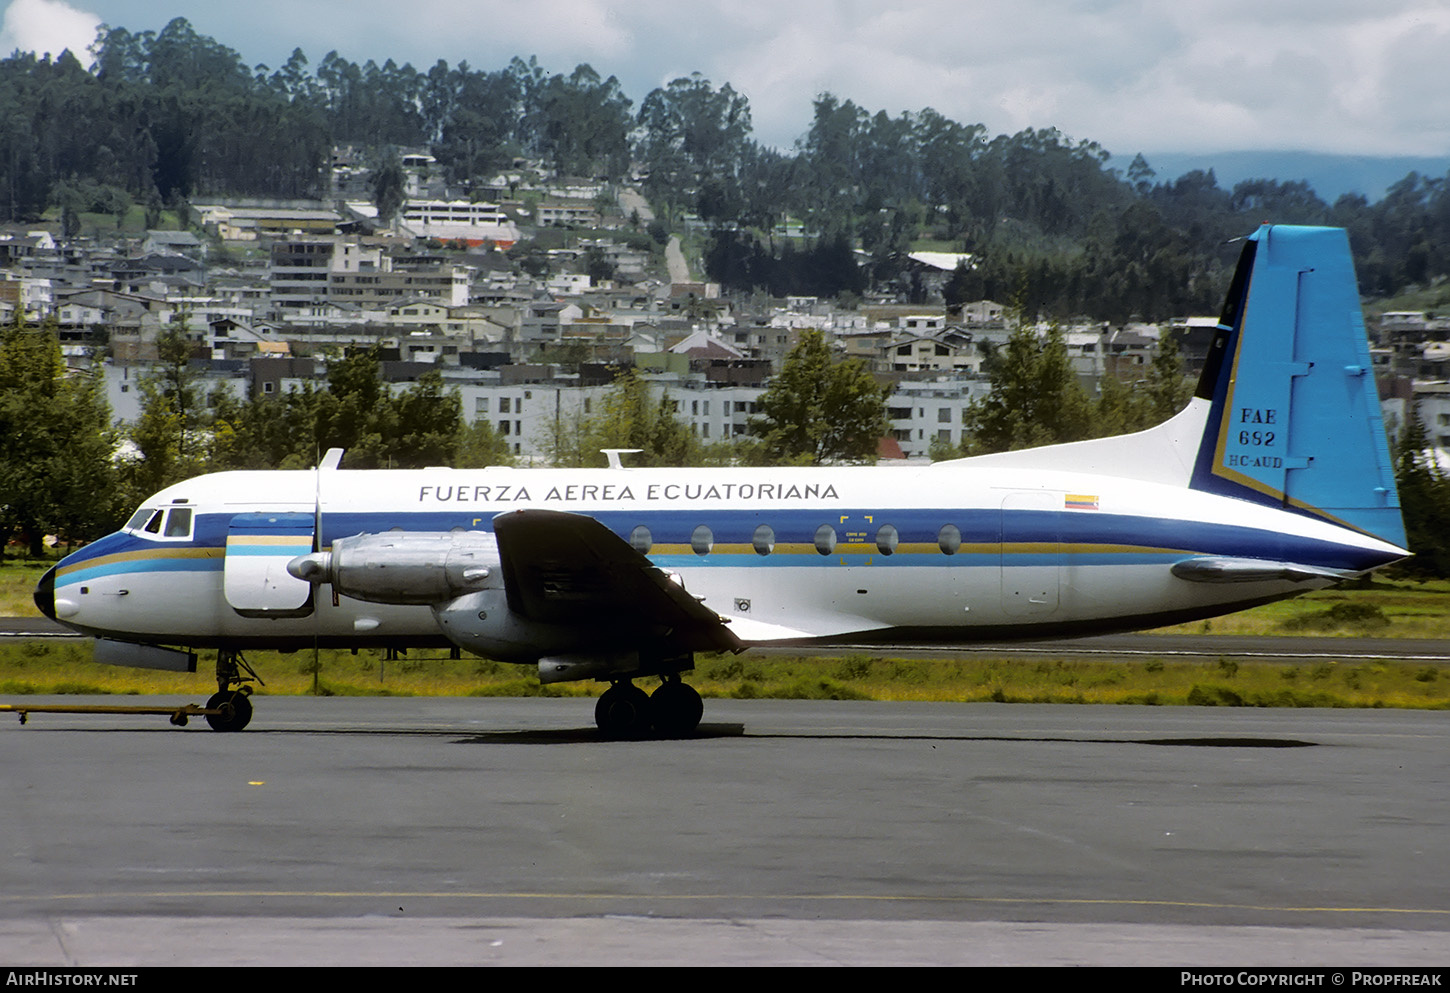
(178, 523)
(167, 522)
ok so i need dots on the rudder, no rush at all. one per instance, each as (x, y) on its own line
(1295, 417)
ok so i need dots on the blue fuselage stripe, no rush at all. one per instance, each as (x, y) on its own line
(1069, 538)
(87, 574)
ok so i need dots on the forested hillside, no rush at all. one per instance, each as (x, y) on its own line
(170, 115)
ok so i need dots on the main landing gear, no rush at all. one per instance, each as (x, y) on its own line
(233, 699)
(673, 710)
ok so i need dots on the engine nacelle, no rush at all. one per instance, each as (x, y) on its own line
(459, 575)
(563, 668)
(405, 567)
(481, 623)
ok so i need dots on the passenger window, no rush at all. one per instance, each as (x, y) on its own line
(702, 540)
(949, 539)
(764, 540)
(178, 523)
(825, 539)
(886, 539)
(641, 539)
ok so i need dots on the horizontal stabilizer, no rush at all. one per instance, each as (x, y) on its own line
(1214, 569)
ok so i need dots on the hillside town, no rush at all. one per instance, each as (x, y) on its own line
(268, 291)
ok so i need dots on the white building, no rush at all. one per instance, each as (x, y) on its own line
(459, 220)
(920, 413)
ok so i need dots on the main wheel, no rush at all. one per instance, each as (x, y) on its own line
(675, 709)
(235, 710)
(623, 711)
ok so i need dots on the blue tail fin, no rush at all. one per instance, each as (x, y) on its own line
(1295, 416)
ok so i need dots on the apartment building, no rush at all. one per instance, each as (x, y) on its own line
(308, 272)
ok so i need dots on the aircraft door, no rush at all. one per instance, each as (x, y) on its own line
(1032, 553)
(255, 578)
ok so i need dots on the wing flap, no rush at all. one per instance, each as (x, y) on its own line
(802, 628)
(561, 568)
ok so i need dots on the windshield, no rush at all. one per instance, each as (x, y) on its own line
(173, 522)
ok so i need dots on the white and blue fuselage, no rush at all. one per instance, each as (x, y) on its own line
(1275, 479)
(940, 553)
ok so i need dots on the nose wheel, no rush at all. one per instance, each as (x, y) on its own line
(233, 710)
(232, 702)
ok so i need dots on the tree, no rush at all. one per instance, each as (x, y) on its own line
(580, 122)
(693, 130)
(353, 413)
(168, 434)
(628, 418)
(819, 411)
(1140, 175)
(1121, 409)
(1035, 397)
(480, 446)
(266, 431)
(56, 443)
(1424, 500)
(1168, 389)
(388, 189)
(427, 424)
(421, 426)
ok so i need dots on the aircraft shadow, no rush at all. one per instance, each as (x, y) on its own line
(705, 732)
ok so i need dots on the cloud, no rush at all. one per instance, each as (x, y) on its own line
(48, 27)
(1353, 76)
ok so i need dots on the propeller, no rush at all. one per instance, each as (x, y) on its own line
(331, 461)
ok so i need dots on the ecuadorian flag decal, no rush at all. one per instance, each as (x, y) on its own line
(1080, 501)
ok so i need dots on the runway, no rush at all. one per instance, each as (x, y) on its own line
(449, 831)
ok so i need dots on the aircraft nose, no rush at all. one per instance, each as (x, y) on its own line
(45, 593)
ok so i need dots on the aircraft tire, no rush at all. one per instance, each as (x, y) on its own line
(675, 709)
(623, 711)
(236, 711)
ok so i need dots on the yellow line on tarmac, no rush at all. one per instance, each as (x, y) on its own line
(687, 897)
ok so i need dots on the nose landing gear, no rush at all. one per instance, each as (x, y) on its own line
(232, 702)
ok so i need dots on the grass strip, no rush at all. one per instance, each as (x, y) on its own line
(64, 667)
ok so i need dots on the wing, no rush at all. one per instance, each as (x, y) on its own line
(561, 568)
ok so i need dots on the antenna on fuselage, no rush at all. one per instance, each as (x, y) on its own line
(613, 454)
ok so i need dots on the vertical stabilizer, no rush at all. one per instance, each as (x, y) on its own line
(1295, 416)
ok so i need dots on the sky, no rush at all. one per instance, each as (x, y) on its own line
(1358, 77)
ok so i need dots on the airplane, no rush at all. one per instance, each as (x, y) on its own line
(1274, 480)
